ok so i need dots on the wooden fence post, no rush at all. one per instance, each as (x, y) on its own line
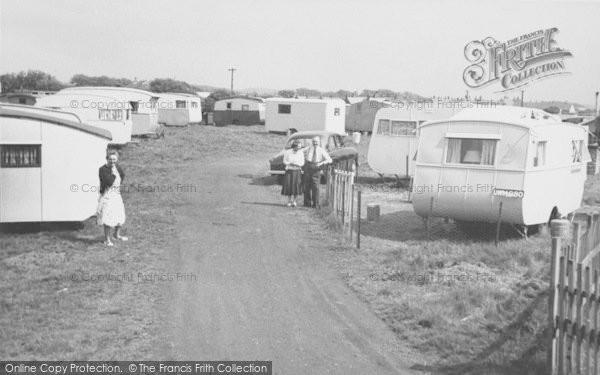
(358, 205)
(559, 230)
(428, 223)
(343, 196)
(351, 212)
(498, 225)
(576, 241)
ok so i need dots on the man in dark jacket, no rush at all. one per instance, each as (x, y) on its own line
(315, 157)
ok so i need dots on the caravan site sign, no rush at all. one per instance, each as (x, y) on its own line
(515, 63)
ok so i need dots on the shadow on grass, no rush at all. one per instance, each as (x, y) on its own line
(260, 180)
(266, 204)
(529, 363)
(406, 226)
(374, 179)
(22, 228)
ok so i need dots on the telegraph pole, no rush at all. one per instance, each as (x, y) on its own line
(522, 94)
(232, 70)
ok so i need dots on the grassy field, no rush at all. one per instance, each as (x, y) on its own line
(55, 299)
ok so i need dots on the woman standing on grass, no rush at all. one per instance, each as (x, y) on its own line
(111, 211)
(292, 179)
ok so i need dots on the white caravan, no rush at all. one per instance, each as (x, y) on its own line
(395, 137)
(283, 115)
(48, 166)
(517, 165)
(106, 112)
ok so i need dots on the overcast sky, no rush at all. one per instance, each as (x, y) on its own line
(413, 46)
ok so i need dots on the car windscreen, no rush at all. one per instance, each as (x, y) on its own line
(304, 141)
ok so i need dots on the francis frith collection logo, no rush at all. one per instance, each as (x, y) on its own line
(515, 63)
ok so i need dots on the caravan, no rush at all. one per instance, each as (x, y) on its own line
(240, 110)
(293, 115)
(510, 164)
(143, 105)
(48, 166)
(106, 112)
(395, 137)
(179, 109)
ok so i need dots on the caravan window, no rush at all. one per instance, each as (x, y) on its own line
(403, 128)
(284, 108)
(245, 107)
(20, 156)
(228, 105)
(540, 154)
(471, 151)
(194, 104)
(180, 104)
(336, 111)
(110, 114)
(384, 127)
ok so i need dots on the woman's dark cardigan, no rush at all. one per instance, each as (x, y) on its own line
(107, 178)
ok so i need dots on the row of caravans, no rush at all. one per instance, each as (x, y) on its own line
(517, 165)
(71, 130)
(125, 112)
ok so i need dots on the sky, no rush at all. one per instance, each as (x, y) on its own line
(415, 46)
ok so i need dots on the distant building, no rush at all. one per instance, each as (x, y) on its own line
(360, 115)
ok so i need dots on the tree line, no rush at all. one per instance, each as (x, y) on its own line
(38, 80)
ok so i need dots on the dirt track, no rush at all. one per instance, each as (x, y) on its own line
(264, 290)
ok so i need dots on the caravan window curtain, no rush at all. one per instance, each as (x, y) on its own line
(488, 148)
(453, 151)
(540, 154)
(577, 147)
(20, 156)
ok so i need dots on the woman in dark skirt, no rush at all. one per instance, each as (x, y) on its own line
(292, 180)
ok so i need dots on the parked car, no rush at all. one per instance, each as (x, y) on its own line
(342, 156)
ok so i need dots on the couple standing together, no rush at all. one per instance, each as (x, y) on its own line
(309, 161)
